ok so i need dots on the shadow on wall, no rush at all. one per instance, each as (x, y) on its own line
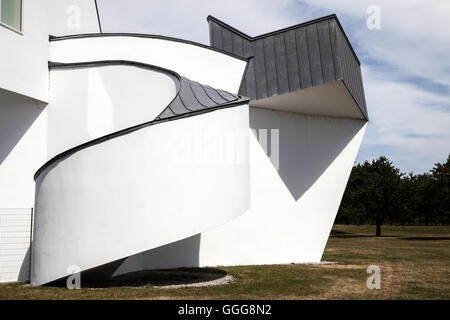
(17, 114)
(183, 253)
(24, 272)
(306, 147)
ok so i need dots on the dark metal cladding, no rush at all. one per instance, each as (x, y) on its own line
(281, 64)
(237, 45)
(305, 55)
(201, 95)
(292, 61)
(314, 54)
(227, 40)
(260, 70)
(226, 95)
(188, 97)
(326, 51)
(214, 95)
(271, 70)
(351, 71)
(304, 65)
(193, 96)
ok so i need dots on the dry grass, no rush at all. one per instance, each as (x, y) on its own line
(414, 264)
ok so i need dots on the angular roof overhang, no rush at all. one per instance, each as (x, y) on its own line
(308, 68)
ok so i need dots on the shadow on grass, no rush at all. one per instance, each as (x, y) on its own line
(344, 235)
(180, 276)
(425, 238)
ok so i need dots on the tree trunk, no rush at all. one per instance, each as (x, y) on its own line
(378, 233)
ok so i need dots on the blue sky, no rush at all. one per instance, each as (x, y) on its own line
(405, 63)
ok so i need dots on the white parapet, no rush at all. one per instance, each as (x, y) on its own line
(137, 192)
(195, 62)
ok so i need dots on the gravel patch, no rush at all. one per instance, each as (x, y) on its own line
(199, 283)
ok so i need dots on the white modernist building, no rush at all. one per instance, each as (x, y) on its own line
(125, 152)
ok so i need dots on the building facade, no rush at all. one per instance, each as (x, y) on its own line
(125, 152)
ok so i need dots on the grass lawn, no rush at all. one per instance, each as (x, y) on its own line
(414, 262)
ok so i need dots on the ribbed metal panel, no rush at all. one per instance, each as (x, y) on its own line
(302, 56)
(351, 71)
(193, 97)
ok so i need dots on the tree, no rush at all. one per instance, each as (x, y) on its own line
(423, 197)
(440, 190)
(350, 210)
(373, 191)
(378, 193)
(382, 199)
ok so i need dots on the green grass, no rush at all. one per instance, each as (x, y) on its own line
(414, 264)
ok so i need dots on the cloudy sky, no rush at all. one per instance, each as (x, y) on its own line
(405, 63)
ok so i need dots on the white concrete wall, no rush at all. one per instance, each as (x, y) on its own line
(206, 66)
(24, 57)
(293, 209)
(87, 103)
(23, 128)
(295, 195)
(139, 191)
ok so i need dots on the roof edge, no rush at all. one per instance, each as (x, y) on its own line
(303, 24)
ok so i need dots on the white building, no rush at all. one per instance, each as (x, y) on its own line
(142, 151)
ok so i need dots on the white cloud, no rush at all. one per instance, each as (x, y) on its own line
(414, 34)
(411, 123)
(406, 64)
(406, 68)
(187, 19)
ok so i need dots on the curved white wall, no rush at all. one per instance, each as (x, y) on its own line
(200, 64)
(90, 102)
(145, 189)
(137, 192)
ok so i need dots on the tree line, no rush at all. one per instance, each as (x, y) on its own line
(378, 193)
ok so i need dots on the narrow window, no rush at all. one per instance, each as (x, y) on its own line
(11, 13)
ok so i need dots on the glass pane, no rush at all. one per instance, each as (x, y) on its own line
(11, 13)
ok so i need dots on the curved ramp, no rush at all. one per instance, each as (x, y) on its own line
(144, 186)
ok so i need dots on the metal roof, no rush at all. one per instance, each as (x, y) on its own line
(294, 58)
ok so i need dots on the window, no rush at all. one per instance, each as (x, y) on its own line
(11, 14)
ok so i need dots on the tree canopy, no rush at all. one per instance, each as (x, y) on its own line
(378, 193)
